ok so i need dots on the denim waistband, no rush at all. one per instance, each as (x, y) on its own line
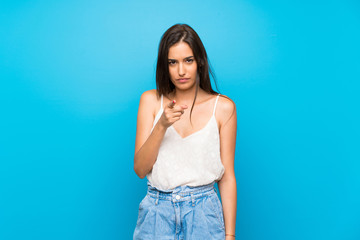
(181, 193)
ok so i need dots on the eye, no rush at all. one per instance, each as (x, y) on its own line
(189, 60)
(172, 62)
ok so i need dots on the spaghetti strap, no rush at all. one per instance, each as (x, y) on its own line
(217, 98)
(161, 107)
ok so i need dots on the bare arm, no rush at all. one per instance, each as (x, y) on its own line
(147, 143)
(227, 185)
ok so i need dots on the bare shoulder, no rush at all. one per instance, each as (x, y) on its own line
(225, 109)
(225, 105)
(149, 95)
(149, 100)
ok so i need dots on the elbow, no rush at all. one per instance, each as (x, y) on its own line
(141, 176)
(140, 167)
(138, 172)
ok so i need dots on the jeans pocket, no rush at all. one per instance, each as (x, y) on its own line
(142, 212)
(217, 208)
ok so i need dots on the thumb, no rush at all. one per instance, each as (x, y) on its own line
(172, 104)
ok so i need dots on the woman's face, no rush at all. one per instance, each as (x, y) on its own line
(182, 66)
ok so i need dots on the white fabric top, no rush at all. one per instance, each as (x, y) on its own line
(191, 161)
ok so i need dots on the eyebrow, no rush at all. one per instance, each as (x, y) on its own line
(184, 58)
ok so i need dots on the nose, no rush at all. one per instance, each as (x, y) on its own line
(181, 69)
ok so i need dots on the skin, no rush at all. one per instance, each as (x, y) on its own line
(176, 113)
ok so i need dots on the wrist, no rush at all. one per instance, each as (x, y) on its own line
(160, 127)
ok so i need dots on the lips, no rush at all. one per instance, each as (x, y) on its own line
(182, 80)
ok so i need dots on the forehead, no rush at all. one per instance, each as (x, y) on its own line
(180, 50)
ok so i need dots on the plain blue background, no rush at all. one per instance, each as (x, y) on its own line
(72, 73)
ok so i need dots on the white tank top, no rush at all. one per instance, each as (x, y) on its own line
(191, 161)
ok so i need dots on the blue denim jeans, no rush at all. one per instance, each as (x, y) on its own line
(184, 213)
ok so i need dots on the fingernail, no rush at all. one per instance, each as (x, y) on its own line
(173, 101)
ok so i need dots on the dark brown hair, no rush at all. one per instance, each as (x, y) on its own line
(183, 33)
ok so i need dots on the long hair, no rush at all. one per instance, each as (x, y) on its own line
(183, 33)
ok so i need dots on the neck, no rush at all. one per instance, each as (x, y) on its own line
(186, 96)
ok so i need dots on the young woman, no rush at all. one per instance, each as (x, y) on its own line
(185, 143)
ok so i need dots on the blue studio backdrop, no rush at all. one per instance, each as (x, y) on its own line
(72, 73)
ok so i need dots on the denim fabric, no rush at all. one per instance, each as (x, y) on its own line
(184, 213)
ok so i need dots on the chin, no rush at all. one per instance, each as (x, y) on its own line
(185, 87)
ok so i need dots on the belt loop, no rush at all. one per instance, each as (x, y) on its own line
(157, 198)
(192, 199)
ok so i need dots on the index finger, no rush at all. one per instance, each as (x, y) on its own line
(172, 104)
